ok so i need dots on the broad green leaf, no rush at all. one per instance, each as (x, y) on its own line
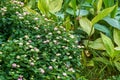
(86, 25)
(102, 59)
(99, 6)
(116, 35)
(102, 14)
(73, 5)
(103, 28)
(43, 6)
(82, 12)
(113, 22)
(108, 3)
(52, 6)
(55, 5)
(67, 23)
(117, 64)
(97, 44)
(108, 45)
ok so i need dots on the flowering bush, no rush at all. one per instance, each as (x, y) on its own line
(47, 53)
(13, 17)
(33, 51)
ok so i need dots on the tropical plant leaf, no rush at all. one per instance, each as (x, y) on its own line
(52, 6)
(102, 14)
(108, 45)
(101, 59)
(103, 28)
(43, 6)
(99, 6)
(116, 35)
(97, 44)
(117, 64)
(55, 5)
(86, 26)
(113, 22)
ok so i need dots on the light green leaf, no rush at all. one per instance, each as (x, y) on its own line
(52, 6)
(108, 45)
(117, 64)
(86, 25)
(113, 22)
(101, 59)
(97, 44)
(43, 6)
(102, 14)
(116, 35)
(55, 5)
(99, 6)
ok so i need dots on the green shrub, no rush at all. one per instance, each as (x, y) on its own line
(46, 53)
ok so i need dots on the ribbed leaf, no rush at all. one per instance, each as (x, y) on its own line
(102, 14)
(86, 25)
(116, 35)
(108, 45)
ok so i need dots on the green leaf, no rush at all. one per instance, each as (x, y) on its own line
(97, 44)
(99, 6)
(116, 35)
(103, 28)
(55, 5)
(102, 59)
(108, 45)
(52, 6)
(117, 64)
(113, 22)
(43, 6)
(102, 14)
(86, 26)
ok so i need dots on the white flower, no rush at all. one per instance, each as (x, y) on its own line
(50, 67)
(37, 36)
(70, 57)
(55, 41)
(50, 33)
(72, 36)
(58, 54)
(59, 32)
(55, 28)
(53, 60)
(18, 57)
(42, 70)
(0, 52)
(26, 36)
(36, 49)
(71, 70)
(64, 74)
(58, 77)
(66, 47)
(36, 28)
(20, 44)
(27, 43)
(68, 53)
(30, 46)
(32, 64)
(36, 18)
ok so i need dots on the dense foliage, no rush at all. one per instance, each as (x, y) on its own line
(59, 39)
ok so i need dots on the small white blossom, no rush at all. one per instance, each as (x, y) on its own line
(53, 60)
(42, 70)
(26, 36)
(38, 36)
(50, 33)
(20, 44)
(70, 57)
(64, 74)
(50, 67)
(18, 57)
(72, 36)
(55, 28)
(58, 54)
(36, 18)
(0, 52)
(32, 64)
(58, 77)
(59, 32)
(71, 70)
